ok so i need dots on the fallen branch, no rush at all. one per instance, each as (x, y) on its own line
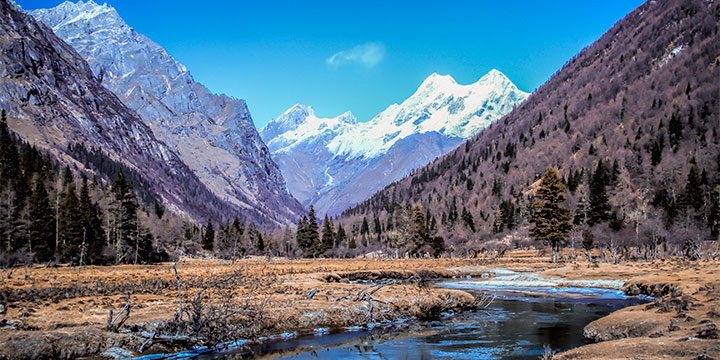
(113, 324)
(149, 340)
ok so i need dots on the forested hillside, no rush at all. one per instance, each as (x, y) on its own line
(631, 123)
(105, 215)
(54, 102)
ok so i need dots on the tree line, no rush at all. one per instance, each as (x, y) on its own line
(49, 215)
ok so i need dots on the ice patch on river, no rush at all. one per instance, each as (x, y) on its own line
(506, 280)
(541, 291)
(505, 277)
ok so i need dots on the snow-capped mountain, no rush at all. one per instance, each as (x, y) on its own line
(54, 102)
(333, 163)
(213, 134)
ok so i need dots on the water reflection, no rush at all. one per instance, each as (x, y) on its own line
(516, 326)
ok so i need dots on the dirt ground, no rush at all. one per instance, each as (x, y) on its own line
(63, 311)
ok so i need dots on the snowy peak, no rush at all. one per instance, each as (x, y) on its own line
(437, 81)
(348, 118)
(439, 105)
(300, 124)
(494, 76)
(333, 163)
(298, 111)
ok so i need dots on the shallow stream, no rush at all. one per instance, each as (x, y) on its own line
(526, 314)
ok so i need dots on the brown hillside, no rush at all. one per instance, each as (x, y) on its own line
(645, 96)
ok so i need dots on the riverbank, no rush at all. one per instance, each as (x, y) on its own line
(64, 311)
(681, 323)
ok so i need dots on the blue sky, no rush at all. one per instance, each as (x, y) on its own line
(362, 55)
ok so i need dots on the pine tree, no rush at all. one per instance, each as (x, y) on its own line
(714, 215)
(468, 220)
(313, 236)
(438, 245)
(693, 196)
(125, 227)
(9, 157)
(377, 226)
(675, 130)
(507, 214)
(260, 242)
(7, 217)
(71, 227)
(340, 236)
(42, 223)
(365, 227)
(93, 233)
(208, 239)
(143, 246)
(453, 212)
(551, 221)
(599, 205)
(328, 235)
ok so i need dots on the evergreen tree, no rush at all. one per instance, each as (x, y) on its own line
(675, 130)
(260, 242)
(42, 223)
(714, 215)
(158, 209)
(328, 235)
(143, 246)
(313, 236)
(468, 219)
(599, 205)
(208, 239)
(694, 195)
(71, 222)
(656, 150)
(300, 233)
(365, 227)
(453, 212)
(93, 233)
(125, 226)
(438, 245)
(507, 214)
(340, 236)
(551, 221)
(377, 226)
(9, 157)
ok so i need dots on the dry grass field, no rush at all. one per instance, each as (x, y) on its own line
(64, 311)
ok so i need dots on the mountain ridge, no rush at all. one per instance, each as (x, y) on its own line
(53, 100)
(636, 112)
(337, 151)
(214, 134)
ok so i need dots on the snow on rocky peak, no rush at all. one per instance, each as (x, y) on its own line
(336, 151)
(299, 125)
(214, 134)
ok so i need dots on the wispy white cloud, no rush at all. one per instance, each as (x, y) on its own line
(368, 54)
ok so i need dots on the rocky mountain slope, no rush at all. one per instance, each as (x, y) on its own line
(333, 163)
(213, 134)
(643, 99)
(53, 100)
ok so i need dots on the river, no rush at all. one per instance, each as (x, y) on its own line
(517, 325)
